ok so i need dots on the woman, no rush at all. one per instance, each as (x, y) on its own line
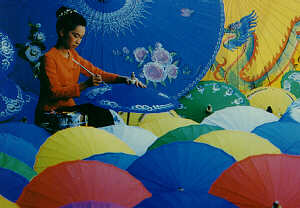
(62, 66)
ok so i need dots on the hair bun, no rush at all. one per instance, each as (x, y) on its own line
(63, 11)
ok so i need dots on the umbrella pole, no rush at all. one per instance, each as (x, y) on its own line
(128, 117)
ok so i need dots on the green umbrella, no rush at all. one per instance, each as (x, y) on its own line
(291, 82)
(207, 97)
(17, 166)
(186, 133)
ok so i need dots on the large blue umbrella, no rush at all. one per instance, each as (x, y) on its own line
(29, 132)
(184, 170)
(120, 160)
(163, 42)
(284, 135)
(12, 184)
(18, 148)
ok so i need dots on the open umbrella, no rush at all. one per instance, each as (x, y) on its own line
(136, 138)
(18, 148)
(186, 133)
(208, 97)
(161, 126)
(254, 51)
(4, 203)
(259, 181)
(244, 118)
(17, 166)
(158, 40)
(274, 100)
(292, 113)
(91, 204)
(284, 135)
(12, 184)
(120, 160)
(291, 82)
(77, 143)
(29, 132)
(238, 144)
(78, 181)
(181, 172)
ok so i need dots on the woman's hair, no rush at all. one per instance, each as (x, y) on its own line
(68, 19)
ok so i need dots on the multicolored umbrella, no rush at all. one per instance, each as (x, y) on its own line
(4, 203)
(284, 135)
(208, 97)
(12, 184)
(92, 204)
(238, 144)
(292, 113)
(17, 166)
(77, 143)
(244, 118)
(158, 40)
(186, 133)
(254, 51)
(181, 173)
(136, 138)
(261, 180)
(291, 82)
(120, 160)
(161, 126)
(78, 181)
(29, 132)
(18, 148)
(271, 99)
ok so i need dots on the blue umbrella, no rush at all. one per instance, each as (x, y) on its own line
(292, 113)
(18, 148)
(29, 132)
(120, 97)
(284, 135)
(120, 160)
(184, 170)
(161, 41)
(12, 184)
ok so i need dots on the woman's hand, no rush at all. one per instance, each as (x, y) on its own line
(135, 81)
(94, 80)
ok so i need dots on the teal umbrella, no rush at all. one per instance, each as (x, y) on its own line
(291, 82)
(207, 97)
(186, 133)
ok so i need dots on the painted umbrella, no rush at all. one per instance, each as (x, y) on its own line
(292, 113)
(261, 180)
(80, 180)
(284, 135)
(77, 143)
(181, 173)
(186, 133)
(291, 82)
(208, 97)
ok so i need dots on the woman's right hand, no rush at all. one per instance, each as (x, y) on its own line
(94, 80)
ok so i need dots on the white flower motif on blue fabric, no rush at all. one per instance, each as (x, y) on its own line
(7, 52)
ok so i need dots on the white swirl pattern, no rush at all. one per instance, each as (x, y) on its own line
(7, 52)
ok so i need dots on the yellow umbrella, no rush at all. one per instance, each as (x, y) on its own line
(274, 100)
(239, 144)
(4, 203)
(259, 43)
(135, 118)
(77, 143)
(162, 125)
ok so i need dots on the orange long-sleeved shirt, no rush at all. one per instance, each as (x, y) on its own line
(59, 80)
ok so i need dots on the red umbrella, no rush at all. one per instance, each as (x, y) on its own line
(261, 181)
(78, 181)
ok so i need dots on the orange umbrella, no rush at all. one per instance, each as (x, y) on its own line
(77, 181)
(260, 181)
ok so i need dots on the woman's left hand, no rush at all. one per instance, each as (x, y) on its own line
(135, 81)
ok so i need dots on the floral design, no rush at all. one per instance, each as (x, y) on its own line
(7, 52)
(157, 64)
(32, 51)
(185, 12)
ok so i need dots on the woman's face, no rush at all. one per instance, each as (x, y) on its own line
(73, 38)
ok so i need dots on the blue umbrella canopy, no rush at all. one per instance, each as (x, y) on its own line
(12, 184)
(31, 133)
(184, 170)
(284, 135)
(18, 148)
(161, 41)
(120, 160)
(292, 113)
